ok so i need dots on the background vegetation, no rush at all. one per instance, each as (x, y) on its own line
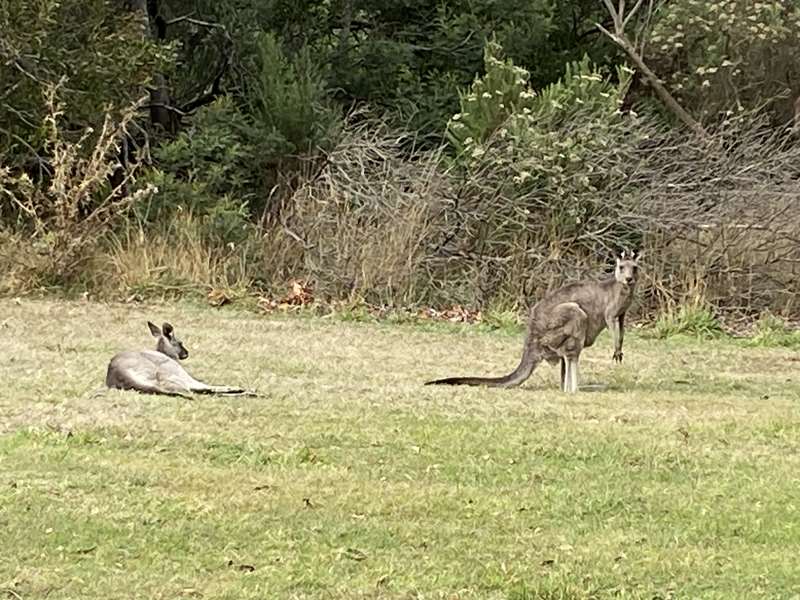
(400, 153)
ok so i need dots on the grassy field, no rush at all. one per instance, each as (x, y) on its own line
(348, 479)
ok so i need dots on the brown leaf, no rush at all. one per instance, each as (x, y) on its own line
(300, 293)
(218, 297)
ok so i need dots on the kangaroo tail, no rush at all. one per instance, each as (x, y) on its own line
(223, 390)
(526, 366)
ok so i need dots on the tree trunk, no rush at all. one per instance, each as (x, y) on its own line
(160, 112)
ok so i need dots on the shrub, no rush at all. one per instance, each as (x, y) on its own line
(362, 226)
(728, 54)
(207, 172)
(96, 55)
(771, 330)
(695, 319)
(538, 168)
(288, 101)
(67, 215)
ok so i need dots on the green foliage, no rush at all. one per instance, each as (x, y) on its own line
(215, 150)
(409, 59)
(287, 100)
(491, 100)
(93, 52)
(696, 319)
(503, 96)
(727, 54)
(558, 148)
(506, 320)
(771, 330)
(206, 171)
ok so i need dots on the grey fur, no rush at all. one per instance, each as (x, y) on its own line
(159, 372)
(565, 322)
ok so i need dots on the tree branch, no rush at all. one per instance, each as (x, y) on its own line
(620, 20)
(211, 95)
(189, 19)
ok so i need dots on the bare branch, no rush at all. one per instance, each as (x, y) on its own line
(614, 14)
(631, 14)
(193, 21)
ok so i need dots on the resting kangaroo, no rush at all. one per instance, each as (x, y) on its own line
(568, 320)
(159, 372)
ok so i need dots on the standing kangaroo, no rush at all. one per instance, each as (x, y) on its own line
(159, 372)
(568, 320)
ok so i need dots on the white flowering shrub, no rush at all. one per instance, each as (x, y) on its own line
(552, 152)
(489, 102)
(726, 55)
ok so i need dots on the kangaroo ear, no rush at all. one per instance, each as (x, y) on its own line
(167, 329)
(154, 329)
(638, 256)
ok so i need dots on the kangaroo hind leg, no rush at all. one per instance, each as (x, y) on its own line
(572, 379)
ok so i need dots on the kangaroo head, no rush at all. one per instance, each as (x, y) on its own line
(627, 271)
(167, 342)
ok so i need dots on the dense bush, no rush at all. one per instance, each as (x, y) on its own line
(490, 151)
(92, 52)
(729, 54)
(205, 171)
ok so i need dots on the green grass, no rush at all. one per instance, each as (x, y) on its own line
(770, 330)
(688, 319)
(348, 479)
